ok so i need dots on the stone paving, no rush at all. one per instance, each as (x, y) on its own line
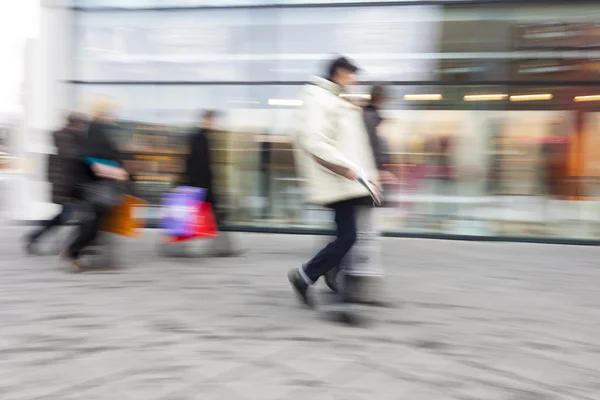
(471, 321)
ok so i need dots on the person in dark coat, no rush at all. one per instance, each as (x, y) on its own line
(379, 147)
(64, 173)
(199, 173)
(102, 164)
(199, 163)
(372, 119)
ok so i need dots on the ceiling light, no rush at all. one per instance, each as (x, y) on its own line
(356, 96)
(486, 97)
(285, 102)
(581, 99)
(532, 97)
(423, 97)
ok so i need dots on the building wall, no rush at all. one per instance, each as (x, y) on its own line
(47, 98)
(162, 66)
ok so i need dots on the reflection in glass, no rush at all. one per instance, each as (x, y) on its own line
(518, 157)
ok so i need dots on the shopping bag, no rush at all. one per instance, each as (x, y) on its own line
(375, 195)
(362, 277)
(204, 224)
(179, 210)
(124, 218)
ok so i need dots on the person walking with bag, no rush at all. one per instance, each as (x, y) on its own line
(102, 185)
(63, 174)
(199, 173)
(333, 153)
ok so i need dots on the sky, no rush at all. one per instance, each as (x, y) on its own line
(19, 20)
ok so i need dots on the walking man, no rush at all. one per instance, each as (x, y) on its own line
(100, 185)
(368, 221)
(62, 170)
(199, 173)
(334, 151)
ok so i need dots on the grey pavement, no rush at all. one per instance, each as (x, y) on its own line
(471, 321)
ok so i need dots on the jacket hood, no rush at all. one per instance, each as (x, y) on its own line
(327, 85)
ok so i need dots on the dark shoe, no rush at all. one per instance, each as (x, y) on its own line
(350, 318)
(355, 289)
(301, 287)
(331, 280)
(71, 262)
(91, 251)
(30, 245)
(230, 253)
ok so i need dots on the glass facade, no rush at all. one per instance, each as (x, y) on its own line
(206, 3)
(492, 129)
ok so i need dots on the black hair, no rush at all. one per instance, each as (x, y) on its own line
(209, 114)
(340, 63)
(76, 118)
(378, 93)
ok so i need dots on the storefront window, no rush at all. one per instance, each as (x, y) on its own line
(203, 3)
(492, 127)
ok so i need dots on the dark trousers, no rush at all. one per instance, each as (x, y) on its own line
(333, 254)
(60, 219)
(223, 242)
(88, 231)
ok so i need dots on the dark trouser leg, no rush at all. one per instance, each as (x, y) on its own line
(218, 214)
(333, 254)
(61, 218)
(363, 259)
(88, 231)
(222, 244)
(332, 277)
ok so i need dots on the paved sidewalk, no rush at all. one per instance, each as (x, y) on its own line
(473, 321)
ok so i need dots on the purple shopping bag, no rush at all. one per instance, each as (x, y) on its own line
(179, 209)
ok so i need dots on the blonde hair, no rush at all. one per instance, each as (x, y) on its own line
(102, 107)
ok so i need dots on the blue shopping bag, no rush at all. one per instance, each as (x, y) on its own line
(179, 210)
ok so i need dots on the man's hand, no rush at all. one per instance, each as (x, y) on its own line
(338, 169)
(376, 189)
(349, 174)
(108, 172)
(122, 176)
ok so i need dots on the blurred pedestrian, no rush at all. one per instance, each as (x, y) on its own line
(102, 184)
(442, 180)
(368, 225)
(334, 151)
(373, 119)
(554, 175)
(199, 173)
(63, 174)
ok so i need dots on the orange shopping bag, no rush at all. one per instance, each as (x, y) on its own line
(125, 219)
(204, 225)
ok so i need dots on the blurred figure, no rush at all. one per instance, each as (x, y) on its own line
(413, 171)
(335, 151)
(372, 118)
(101, 184)
(494, 173)
(3, 140)
(555, 157)
(442, 178)
(265, 173)
(63, 174)
(367, 217)
(554, 173)
(199, 174)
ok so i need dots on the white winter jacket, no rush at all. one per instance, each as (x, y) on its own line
(332, 129)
